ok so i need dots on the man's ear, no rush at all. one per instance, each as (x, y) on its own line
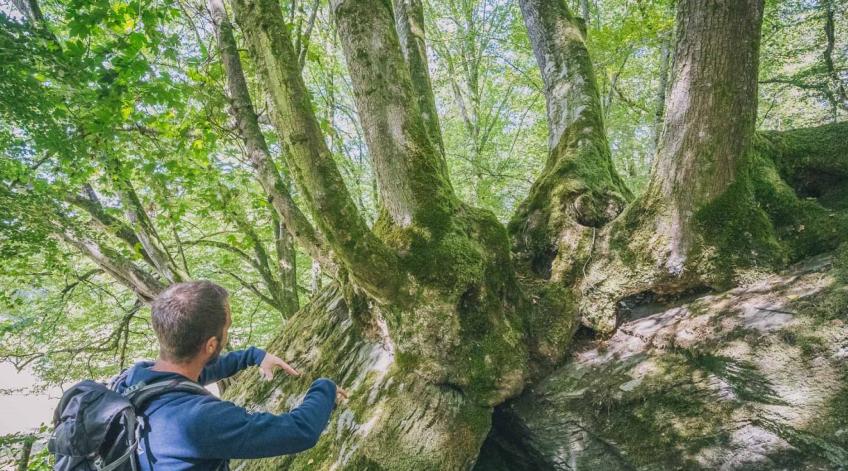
(212, 345)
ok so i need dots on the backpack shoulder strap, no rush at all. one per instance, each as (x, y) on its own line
(142, 393)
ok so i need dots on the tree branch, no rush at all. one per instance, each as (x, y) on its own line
(286, 266)
(262, 260)
(409, 23)
(30, 9)
(839, 93)
(122, 270)
(90, 204)
(303, 39)
(579, 187)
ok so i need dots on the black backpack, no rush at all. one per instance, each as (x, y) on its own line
(97, 429)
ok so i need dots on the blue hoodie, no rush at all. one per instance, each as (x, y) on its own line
(186, 431)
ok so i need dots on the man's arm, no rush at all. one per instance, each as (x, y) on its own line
(231, 363)
(224, 430)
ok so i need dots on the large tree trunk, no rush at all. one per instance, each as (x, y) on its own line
(702, 152)
(717, 208)
(429, 296)
(395, 420)
(579, 191)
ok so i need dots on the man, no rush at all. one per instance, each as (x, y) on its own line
(189, 431)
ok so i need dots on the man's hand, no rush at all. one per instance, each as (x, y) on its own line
(272, 362)
(341, 395)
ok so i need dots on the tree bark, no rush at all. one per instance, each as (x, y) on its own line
(699, 221)
(315, 277)
(286, 268)
(409, 23)
(394, 420)
(662, 89)
(579, 188)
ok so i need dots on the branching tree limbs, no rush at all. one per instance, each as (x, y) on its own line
(427, 241)
(279, 277)
(90, 203)
(145, 286)
(146, 232)
(318, 178)
(411, 170)
(269, 177)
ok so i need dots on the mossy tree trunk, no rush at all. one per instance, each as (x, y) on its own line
(430, 292)
(579, 191)
(710, 119)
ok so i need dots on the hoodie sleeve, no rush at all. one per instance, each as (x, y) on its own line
(231, 363)
(223, 430)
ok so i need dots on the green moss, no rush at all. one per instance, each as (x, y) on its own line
(629, 228)
(840, 263)
(551, 320)
(578, 186)
(801, 153)
(739, 231)
(462, 327)
(803, 225)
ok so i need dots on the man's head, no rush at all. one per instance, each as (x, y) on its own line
(191, 321)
